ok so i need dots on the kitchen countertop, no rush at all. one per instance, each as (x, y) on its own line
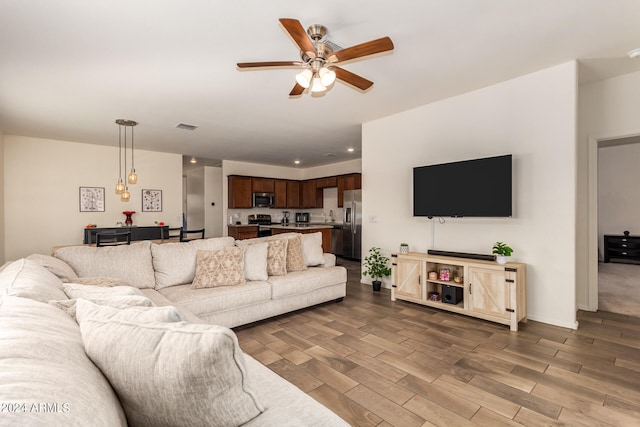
(298, 226)
(243, 225)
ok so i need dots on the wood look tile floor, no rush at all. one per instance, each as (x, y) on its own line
(380, 363)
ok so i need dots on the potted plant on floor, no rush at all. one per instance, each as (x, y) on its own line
(375, 265)
(502, 251)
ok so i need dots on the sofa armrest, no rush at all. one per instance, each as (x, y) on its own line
(329, 260)
(162, 301)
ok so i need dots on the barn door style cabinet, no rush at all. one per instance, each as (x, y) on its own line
(482, 289)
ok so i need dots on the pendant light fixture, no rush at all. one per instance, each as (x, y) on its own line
(120, 184)
(132, 178)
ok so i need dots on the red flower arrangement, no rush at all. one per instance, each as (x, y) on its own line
(128, 212)
(128, 221)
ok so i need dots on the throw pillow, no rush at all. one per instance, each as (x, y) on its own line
(312, 249)
(55, 265)
(295, 258)
(255, 261)
(88, 310)
(121, 301)
(28, 279)
(219, 268)
(169, 374)
(277, 257)
(77, 290)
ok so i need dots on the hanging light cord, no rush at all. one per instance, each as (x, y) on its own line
(125, 151)
(132, 162)
(119, 152)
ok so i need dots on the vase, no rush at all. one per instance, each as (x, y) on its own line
(129, 221)
(501, 259)
(404, 249)
(377, 284)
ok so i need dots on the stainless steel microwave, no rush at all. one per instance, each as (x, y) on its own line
(263, 200)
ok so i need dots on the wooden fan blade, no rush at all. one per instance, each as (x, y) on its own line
(299, 36)
(269, 64)
(297, 90)
(369, 48)
(352, 79)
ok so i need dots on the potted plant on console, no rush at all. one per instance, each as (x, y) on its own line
(375, 265)
(502, 251)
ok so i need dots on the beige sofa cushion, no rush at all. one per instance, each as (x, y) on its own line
(91, 292)
(312, 248)
(170, 374)
(276, 253)
(42, 360)
(211, 300)
(131, 263)
(224, 267)
(175, 263)
(300, 282)
(88, 310)
(55, 265)
(28, 279)
(120, 301)
(295, 257)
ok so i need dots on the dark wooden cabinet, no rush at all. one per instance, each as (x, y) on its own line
(293, 194)
(154, 232)
(239, 192)
(280, 190)
(328, 182)
(241, 232)
(352, 181)
(262, 185)
(311, 194)
(621, 248)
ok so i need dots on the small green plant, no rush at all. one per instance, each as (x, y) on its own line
(502, 249)
(404, 244)
(375, 264)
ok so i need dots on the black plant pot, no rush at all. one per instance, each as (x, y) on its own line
(376, 285)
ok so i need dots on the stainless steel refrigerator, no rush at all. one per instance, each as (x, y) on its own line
(352, 224)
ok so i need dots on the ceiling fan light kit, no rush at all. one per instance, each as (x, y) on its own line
(320, 59)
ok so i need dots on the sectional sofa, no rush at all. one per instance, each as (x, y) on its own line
(139, 334)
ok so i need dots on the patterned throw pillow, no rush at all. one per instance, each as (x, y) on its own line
(219, 268)
(277, 257)
(295, 257)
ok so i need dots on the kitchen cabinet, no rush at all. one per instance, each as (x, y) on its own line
(239, 192)
(241, 232)
(352, 181)
(262, 185)
(486, 289)
(311, 195)
(280, 190)
(328, 182)
(293, 195)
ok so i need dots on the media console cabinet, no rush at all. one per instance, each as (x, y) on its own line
(486, 289)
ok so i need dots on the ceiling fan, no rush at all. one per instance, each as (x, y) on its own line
(319, 58)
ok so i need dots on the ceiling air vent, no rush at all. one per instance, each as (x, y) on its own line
(186, 126)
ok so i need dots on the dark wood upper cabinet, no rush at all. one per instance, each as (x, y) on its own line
(352, 181)
(328, 182)
(280, 190)
(239, 189)
(262, 185)
(293, 194)
(311, 194)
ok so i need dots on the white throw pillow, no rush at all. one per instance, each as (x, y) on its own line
(91, 292)
(312, 249)
(120, 301)
(255, 261)
(88, 310)
(28, 279)
(173, 374)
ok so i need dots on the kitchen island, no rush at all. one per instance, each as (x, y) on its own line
(325, 229)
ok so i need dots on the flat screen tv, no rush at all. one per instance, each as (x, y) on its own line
(476, 188)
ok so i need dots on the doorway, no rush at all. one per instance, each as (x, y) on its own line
(615, 192)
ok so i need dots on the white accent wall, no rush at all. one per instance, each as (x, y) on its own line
(41, 189)
(534, 119)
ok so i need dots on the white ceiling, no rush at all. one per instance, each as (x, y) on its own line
(69, 68)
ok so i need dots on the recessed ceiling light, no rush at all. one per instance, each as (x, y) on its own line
(634, 53)
(351, 149)
(297, 162)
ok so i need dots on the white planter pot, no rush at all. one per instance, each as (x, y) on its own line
(501, 259)
(404, 249)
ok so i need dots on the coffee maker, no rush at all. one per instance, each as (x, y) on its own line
(285, 217)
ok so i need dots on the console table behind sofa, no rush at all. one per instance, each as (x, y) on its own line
(137, 233)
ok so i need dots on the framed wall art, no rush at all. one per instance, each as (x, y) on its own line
(151, 200)
(91, 199)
